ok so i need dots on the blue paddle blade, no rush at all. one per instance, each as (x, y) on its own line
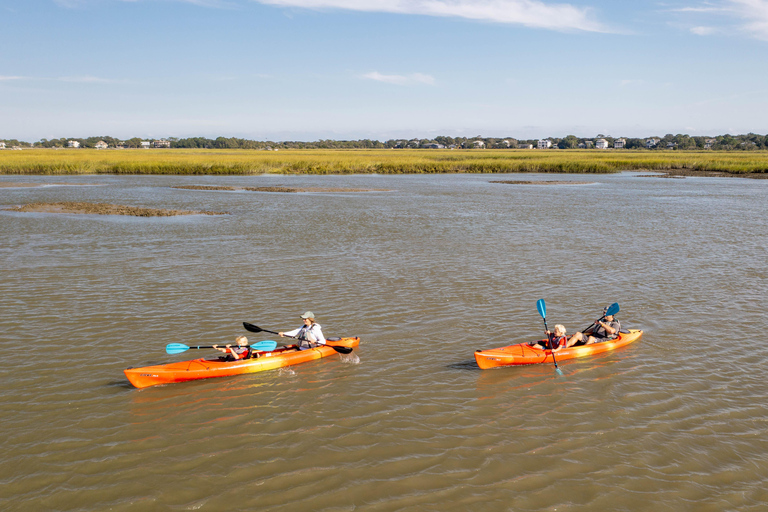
(612, 309)
(264, 346)
(176, 348)
(542, 307)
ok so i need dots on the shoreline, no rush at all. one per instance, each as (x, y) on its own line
(181, 162)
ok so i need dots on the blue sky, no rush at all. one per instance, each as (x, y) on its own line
(381, 69)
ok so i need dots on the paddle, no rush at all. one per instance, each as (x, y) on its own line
(542, 307)
(262, 346)
(610, 311)
(256, 328)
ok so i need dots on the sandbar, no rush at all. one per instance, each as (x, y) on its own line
(105, 209)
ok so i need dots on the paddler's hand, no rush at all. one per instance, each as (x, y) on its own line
(281, 334)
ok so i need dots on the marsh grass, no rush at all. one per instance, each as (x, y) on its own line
(248, 162)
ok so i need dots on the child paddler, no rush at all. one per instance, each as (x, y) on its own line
(241, 351)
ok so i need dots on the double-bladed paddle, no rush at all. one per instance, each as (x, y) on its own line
(256, 328)
(542, 307)
(610, 311)
(262, 346)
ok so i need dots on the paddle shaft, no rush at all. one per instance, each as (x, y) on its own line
(549, 338)
(612, 310)
(256, 328)
(542, 307)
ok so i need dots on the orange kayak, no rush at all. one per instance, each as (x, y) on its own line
(522, 353)
(221, 367)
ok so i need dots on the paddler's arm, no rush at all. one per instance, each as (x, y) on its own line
(610, 330)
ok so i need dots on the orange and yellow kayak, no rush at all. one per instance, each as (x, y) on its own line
(523, 353)
(221, 367)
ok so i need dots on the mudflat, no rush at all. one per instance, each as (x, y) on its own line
(105, 209)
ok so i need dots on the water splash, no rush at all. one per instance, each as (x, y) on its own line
(349, 358)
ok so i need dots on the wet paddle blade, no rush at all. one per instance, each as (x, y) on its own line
(264, 346)
(542, 307)
(612, 309)
(176, 348)
(251, 327)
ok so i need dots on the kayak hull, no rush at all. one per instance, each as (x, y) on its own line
(197, 369)
(522, 353)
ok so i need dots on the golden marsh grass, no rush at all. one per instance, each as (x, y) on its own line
(384, 161)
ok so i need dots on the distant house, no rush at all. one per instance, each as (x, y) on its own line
(544, 144)
(162, 143)
(506, 143)
(73, 144)
(671, 145)
(478, 144)
(601, 144)
(651, 143)
(2, 145)
(145, 144)
(708, 143)
(525, 146)
(619, 143)
(587, 144)
(433, 145)
(101, 145)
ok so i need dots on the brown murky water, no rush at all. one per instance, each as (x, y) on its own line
(425, 273)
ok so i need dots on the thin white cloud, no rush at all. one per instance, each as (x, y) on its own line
(73, 4)
(703, 31)
(85, 80)
(70, 79)
(412, 79)
(531, 13)
(700, 9)
(755, 12)
(753, 16)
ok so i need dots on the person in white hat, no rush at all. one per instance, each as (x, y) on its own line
(605, 329)
(310, 334)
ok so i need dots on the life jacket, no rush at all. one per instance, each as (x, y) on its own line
(307, 338)
(555, 341)
(241, 355)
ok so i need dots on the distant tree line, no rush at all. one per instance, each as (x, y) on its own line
(750, 141)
